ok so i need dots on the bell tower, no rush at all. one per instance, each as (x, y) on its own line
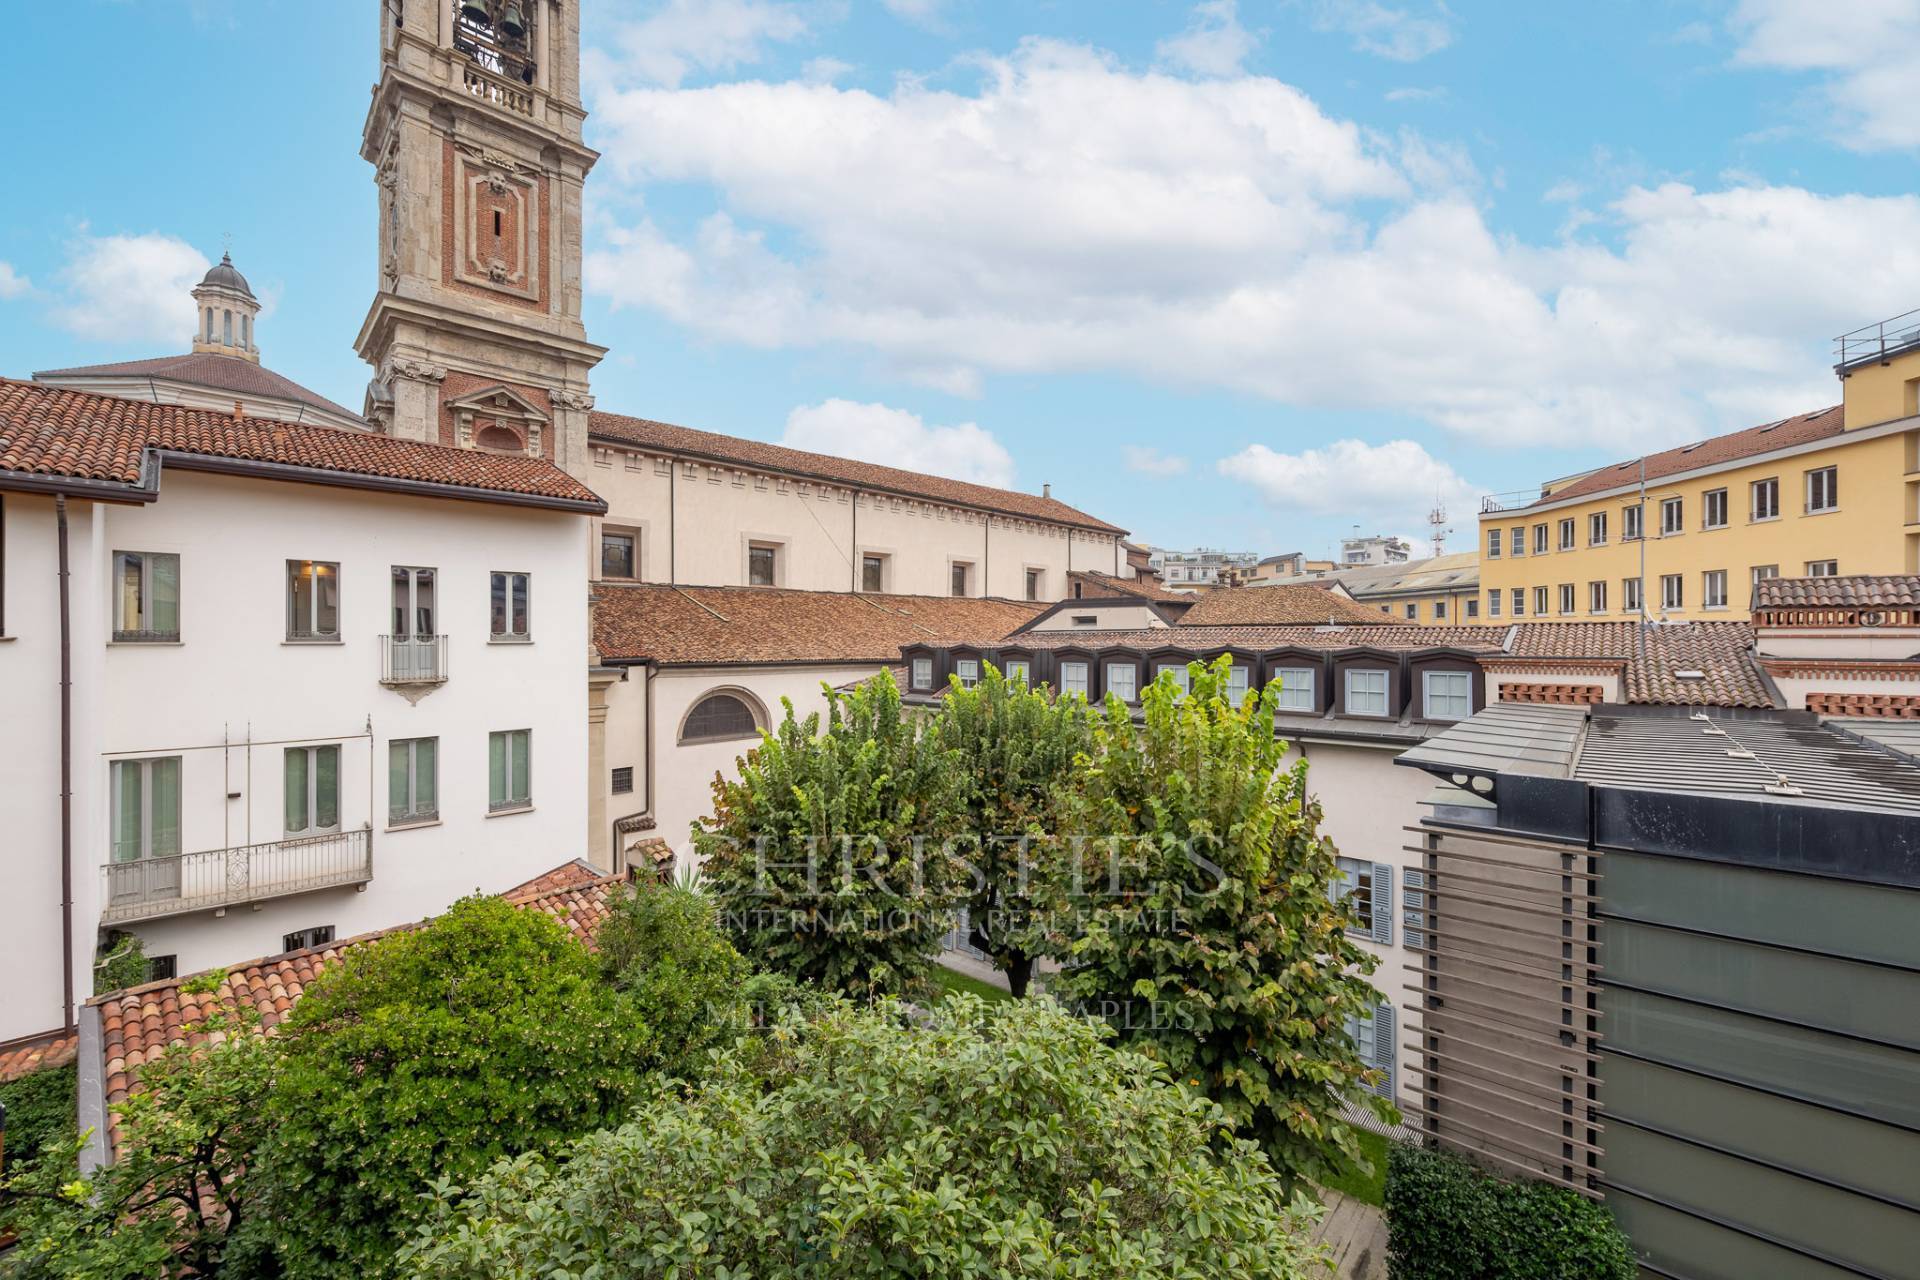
(474, 133)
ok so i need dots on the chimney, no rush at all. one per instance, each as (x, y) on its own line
(1046, 491)
(239, 410)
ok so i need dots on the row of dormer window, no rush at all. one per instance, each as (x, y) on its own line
(1822, 494)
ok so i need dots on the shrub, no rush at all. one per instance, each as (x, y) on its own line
(824, 854)
(433, 1053)
(40, 1113)
(121, 964)
(1448, 1219)
(662, 949)
(1005, 1141)
(1207, 932)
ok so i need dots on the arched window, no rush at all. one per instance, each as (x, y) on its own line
(209, 324)
(718, 716)
(226, 335)
(246, 330)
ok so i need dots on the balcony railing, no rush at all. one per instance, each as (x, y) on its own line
(1878, 341)
(413, 659)
(153, 887)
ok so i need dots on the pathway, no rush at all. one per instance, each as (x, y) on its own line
(1356, 1236)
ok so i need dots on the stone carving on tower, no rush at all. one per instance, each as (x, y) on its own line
(475, 333)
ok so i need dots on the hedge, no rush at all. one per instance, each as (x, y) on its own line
(40, 1111)
(1449, 1219)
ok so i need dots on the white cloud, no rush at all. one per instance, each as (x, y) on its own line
(924, 13)
(1149, 461)
(129, 288)
(898, 438)
(1214, 43)
(1379, 29)
(1868, 50)
(824, 70)
(1414, 93)
(1071, 214)
(684, 37)
(12, 283)
(1373, 484)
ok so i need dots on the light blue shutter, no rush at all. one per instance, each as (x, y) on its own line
(1383, 903)
(1413, 900)
(1384, 1050)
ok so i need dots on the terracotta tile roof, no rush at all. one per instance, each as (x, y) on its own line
(1879, 706)
(1855, 591)
(1563, 695)
(667, 438)
(1097, 584)
(748, 626)
(36, 1053)
(1805, 428)
(567, 875)
(1292, 604)
(204, 369)
(58, 434)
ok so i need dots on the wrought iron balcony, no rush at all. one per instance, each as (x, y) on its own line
(150, 888)
(413, 659)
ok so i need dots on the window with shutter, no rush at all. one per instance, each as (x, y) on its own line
(1383, 1049)
(1413, 902)
(1383, 903)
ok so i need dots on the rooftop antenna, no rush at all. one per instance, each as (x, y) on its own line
(1437, 521)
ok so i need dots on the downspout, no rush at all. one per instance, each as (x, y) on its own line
(853, 564)
(66, 771)
(673, 546)
(986, 559)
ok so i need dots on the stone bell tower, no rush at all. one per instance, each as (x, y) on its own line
(474, 133)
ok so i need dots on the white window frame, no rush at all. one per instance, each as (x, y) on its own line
(967, 672)
(145, 766)
(1076, 677)
(1460, 702)
(1384, 692)
(519, 586)
(1710, 499)
(923, 673)
(1713, 589)
(1132, 681)
(1673, 517)
(1493, 544)
(1296, 689)
(408, 812)
(1540, 539)
(1567, 528)
(1823, 490)
(1597, 529)
(1540, 602)
(407, 626)
(1673, 592)
(1519, 602)
(1493, 602)
(1769, 509)
(1763, 573)
(1182, 678)
(1019, 671)
(1517, 542)
(310, 805)
(1239, 680)
(1823, 568)
(147, 560)
(1567, 598)
(1630, 597)
(1597, 596)
(1351, 872)
(1633, 523)
(516, 798)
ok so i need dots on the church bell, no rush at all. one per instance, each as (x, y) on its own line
(476, 12)
(513, 20)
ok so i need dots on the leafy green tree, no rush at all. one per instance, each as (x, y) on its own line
(1207, 932)
(434, 1052)
(662, 949)
(1014, 749)
(825, 854)
(1005, 1142)
(180, 1200)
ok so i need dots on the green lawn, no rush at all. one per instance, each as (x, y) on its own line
(1368, 1190)
(951, 981)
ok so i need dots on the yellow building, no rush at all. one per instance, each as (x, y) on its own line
(1687, 532)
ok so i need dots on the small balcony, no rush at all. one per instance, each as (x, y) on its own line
(150, 888)
(409, 660)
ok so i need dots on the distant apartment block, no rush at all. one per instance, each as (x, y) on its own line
(1202, 569)
(1376, 549)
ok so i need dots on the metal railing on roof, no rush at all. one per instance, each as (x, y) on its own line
(1509, 501)
(1879, 340)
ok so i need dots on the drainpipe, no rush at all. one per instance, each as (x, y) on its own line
(66, 771)
(673, 547)
(986, 559)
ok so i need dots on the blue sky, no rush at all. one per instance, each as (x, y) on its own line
(1241, 274)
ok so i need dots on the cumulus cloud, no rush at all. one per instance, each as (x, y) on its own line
(1387, 32)
(12, 283)
(1149, 461)
(1214, 44)
(1376, 484)
(684, 37)
(898, 438)
(1070, 214)
(924, 13)
(1868, 52)
(125, 288)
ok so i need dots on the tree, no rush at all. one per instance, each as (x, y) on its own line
(1014, 751)
(180, 1199)
(662, 948)
(1207, 932)
(1006, 1141)
(434, 1052)
(825, 853)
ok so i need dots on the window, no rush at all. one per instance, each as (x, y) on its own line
(226, 327)
(1596, 597)
(873, 570)
(1177, 671)
(319, 935)
(1713, 589)
(623, 780)
(1493, 603)
(1823, 490)
(1762, 572)
(313, 600)
(1566, 535)
(1493, 544)
(509, 760)
(1823, 568)
(209, 324)
(923, 673)
(1033, 584)
(1517, 540)
(1539, 602)
(1765, 496)
(146, 596)
(1566, 597)
(1713, 509)
(1366, 693)
(1121, 681)
(1631, 523)
(1473, 606)
(1439, 610)
(413, 602)
(1672, 591)
(1373, 1041)
(1296, 689)
(1086, 619)
(968, 671)
(1597, 529)
(246, 330)
(1519, 602)
(1449, 694)
(1540, 539)
(1238, 679)
(958, 578)
(1413, 612)
(1073, 678)
(1368, 887)
(312, 784)
(761, 565)
(1673, 516)
(413, 780)
(719, 715)
(1018, 671)
(509, 606)
(617, 555)
(163, 968)
(1630, 594)
(146, 810)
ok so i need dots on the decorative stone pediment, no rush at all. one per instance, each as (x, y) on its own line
(499, 419)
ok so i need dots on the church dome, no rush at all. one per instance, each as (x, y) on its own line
(226, 276)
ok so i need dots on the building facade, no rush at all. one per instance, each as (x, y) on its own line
(1202, 569)
(1375, 550)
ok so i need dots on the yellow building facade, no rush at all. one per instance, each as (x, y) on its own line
(1686, 533)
